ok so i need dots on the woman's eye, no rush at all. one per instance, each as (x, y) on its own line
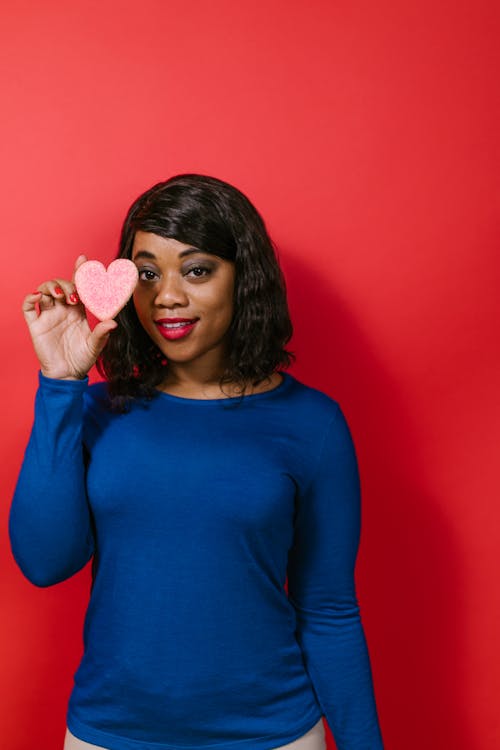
(200, 268)
(146, 271)
(146, 274)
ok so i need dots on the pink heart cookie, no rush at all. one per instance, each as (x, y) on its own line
(106, 292)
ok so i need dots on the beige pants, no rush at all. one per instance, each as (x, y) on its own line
(314, 739)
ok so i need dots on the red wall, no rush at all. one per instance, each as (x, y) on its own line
(367, 135)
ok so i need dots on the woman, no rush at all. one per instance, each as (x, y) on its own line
(199, 476)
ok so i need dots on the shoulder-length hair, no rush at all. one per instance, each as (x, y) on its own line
(218, 219)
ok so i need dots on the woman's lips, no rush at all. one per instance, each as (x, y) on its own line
(176, 332)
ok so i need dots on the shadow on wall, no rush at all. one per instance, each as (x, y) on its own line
(409, 570)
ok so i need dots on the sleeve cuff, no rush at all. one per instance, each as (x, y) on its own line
(62, 386)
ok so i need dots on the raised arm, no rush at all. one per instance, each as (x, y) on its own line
(321, 588)
(49, 521)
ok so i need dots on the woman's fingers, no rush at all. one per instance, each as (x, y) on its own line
(58, 290)
(29, 306)
(52, 292)
(64, 291)
(99, 336)
(46, 301)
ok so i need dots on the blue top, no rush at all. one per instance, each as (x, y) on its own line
(194, 512)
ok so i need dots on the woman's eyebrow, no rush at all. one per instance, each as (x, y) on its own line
(147, 254)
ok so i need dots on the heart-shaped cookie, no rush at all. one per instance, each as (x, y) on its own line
(106, 292)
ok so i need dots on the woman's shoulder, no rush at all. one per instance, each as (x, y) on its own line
(314, 396)
(313, 400)
(321, 416)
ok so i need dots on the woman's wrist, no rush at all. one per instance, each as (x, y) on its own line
(68, 377)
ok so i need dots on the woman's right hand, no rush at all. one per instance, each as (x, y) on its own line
(64, 344)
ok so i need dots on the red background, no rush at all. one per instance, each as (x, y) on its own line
(366, 133)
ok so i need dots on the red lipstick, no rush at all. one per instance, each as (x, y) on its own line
(185, 325)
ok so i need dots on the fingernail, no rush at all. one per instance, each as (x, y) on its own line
(73, 297)
(37, 292)
(58, 290)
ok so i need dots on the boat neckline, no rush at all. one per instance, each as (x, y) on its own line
(287, 378)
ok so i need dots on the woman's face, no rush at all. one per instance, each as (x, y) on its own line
(178, 281)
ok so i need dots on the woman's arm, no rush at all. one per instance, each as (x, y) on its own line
(321, 588)
(49, 521)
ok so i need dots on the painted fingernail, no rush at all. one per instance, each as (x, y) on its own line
(37, 292)
(58, 290)
(73, 297)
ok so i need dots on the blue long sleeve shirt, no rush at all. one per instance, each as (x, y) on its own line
(196, 514)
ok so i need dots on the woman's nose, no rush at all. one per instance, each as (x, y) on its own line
(170, 290)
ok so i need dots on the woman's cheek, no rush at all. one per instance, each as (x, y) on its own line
(138, 298)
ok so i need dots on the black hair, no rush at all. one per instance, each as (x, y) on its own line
(219, 219)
